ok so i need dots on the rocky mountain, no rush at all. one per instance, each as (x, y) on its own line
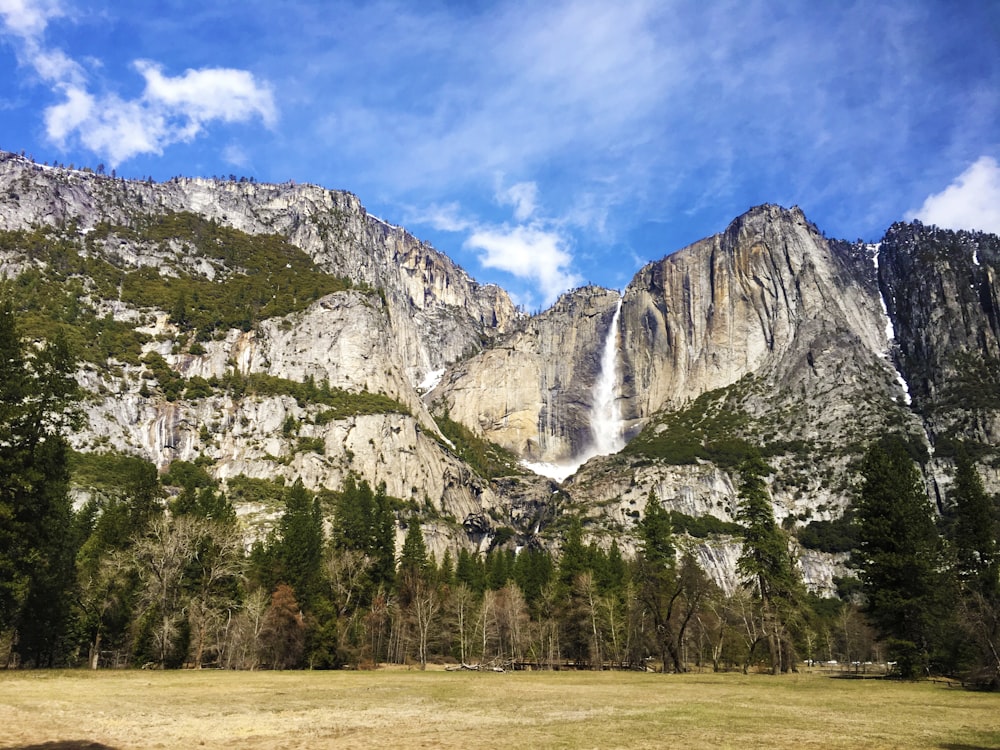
(398, 312)
(279, 331)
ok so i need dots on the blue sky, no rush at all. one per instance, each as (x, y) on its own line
(540, 145)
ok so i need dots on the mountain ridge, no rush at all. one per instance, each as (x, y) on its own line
(767, 334)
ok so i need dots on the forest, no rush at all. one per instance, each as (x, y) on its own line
(153, 570)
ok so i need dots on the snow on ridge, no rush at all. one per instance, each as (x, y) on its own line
(890, 330)
(383, 222)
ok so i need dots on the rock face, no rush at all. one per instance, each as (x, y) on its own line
(767, 334)
(940, 289)
(768, 290)
(413, 312)
(439, 312)
(533, 392)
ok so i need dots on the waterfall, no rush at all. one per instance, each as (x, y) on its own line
(606, 417)
(608, 435)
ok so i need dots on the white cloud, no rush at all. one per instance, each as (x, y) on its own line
(235, 155)
(109, 126)
(120, 129)
(530, 253)
(533, 249)
(170, 109)
(446, 217)
(523, 196)
(972, 201)
(208, 94)
(28, 18)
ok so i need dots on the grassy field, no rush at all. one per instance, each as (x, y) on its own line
(437, 709)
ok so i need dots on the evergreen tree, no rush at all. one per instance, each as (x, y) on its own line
(765, 564)
(974, 529)
(573, 558)
(499, 568)
(36, 550)
(669, 596)
(533, 570)
(382, 544)
(300, 547)
(612, 574)
(107, 586)
(413, 557)
(973, 533)
(656, 536)
(899, 556)
(446, 571)
(364, 521)
(199, 495)
(470, 571)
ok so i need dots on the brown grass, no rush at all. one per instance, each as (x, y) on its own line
(404, 709)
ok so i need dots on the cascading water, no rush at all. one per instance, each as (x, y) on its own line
(606, 419)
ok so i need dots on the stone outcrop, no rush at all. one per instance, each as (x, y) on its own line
(413, 312)
(940, 289)
(533, 391)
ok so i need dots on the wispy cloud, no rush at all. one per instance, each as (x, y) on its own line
(28, 18)
(236, 155)
(532, 248)
(446, 217)
(528, 252)
(170, 109)
(971, 201)
(619, 130)
(523, 197)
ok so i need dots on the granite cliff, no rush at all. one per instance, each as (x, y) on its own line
(280, 331)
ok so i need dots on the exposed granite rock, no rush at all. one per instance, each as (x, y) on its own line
(784, 329)
(533, 391)
(439, 313)
(941, 292)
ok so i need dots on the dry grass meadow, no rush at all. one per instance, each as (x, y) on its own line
(438, 709)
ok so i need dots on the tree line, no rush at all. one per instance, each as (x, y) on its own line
(154, 571)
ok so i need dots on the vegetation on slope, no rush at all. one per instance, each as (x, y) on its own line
(489, 460)
(338, 403)
(69, 277)
(257, 276)
(709, 428)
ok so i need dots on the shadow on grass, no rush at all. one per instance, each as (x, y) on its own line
(62, 745)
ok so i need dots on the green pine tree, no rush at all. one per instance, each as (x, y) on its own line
(900, 557)
(973, 533)
(413, 557)
(300, 546)
(766, 566)
(37, 393)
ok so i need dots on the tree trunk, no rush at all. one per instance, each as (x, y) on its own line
(95, 651)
